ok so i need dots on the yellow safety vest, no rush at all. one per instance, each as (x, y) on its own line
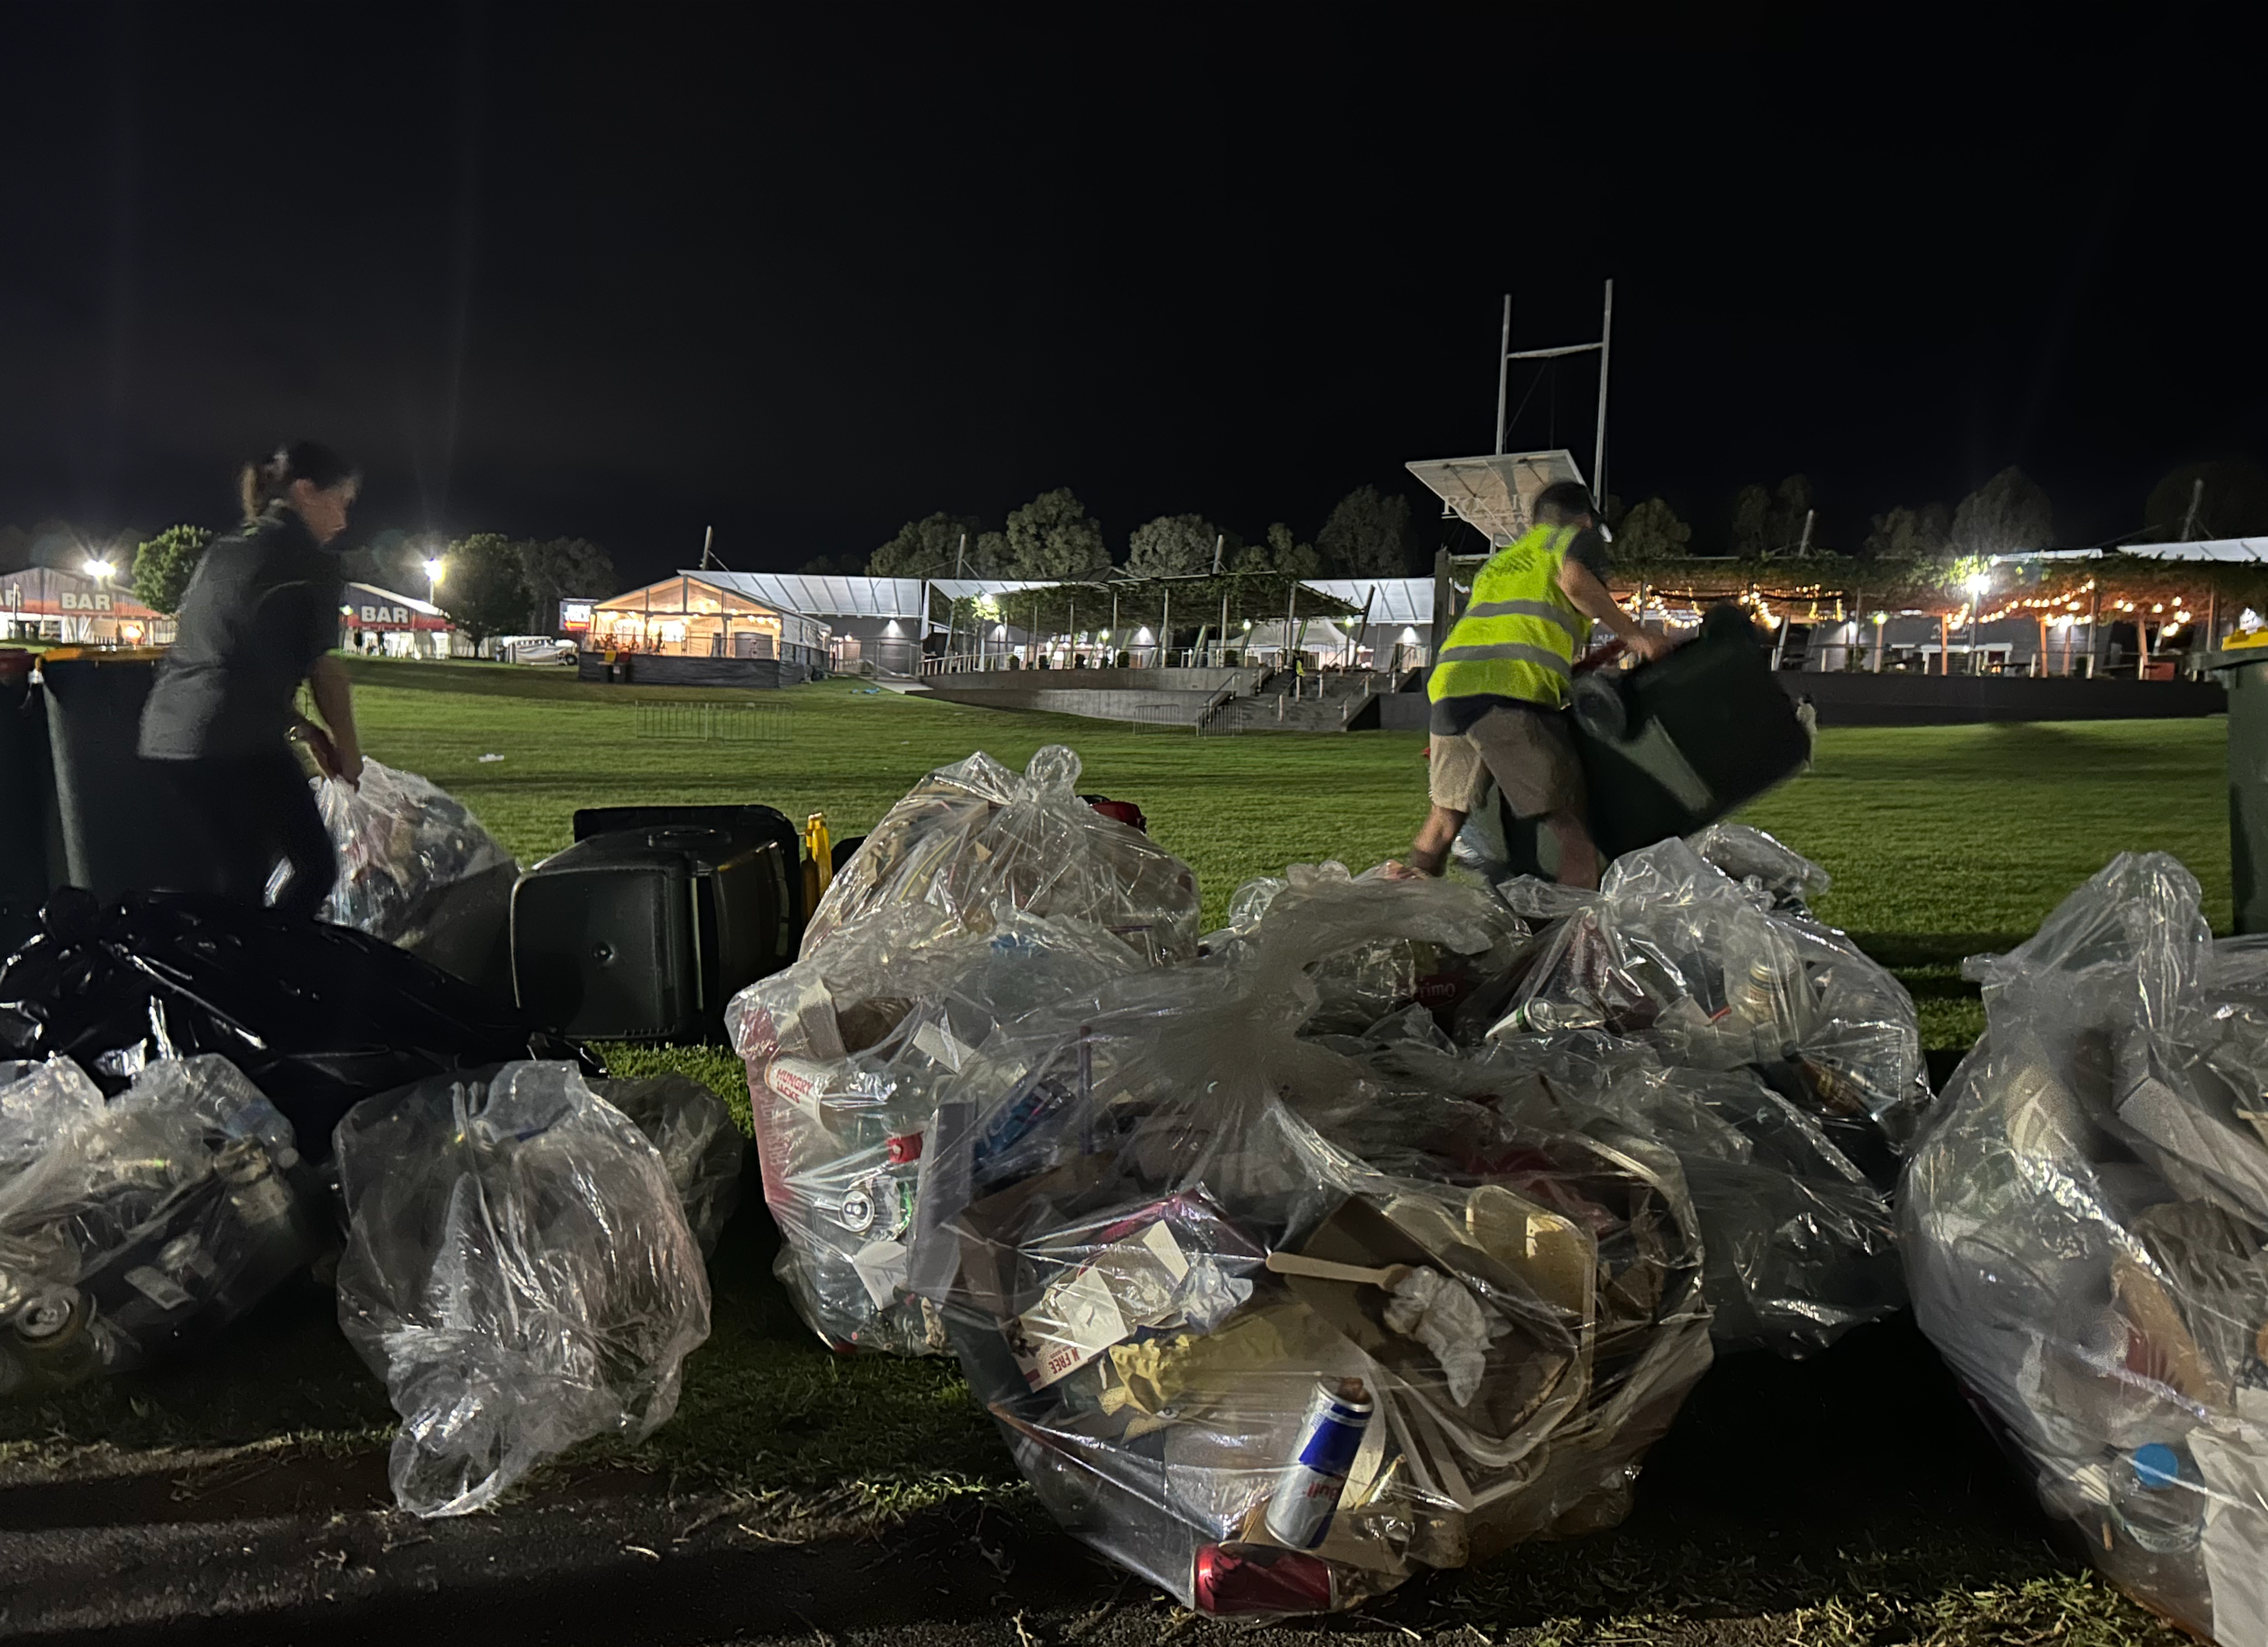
(1518, 637)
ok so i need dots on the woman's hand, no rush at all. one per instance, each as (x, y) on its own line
(320, 747)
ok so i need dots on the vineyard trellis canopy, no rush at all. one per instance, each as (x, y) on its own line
(2047, 584)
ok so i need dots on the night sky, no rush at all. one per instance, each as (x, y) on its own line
(806, 273)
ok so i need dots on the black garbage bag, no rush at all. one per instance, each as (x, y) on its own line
(318, 1017)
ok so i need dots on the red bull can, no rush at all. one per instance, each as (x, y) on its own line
(1233, 1579)
(1307, 1490)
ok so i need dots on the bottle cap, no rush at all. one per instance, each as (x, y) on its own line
(2157, 1465)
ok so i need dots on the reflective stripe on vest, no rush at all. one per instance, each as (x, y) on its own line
(1518, 637)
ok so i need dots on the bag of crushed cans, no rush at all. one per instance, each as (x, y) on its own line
(2086, 1223)
(518, 1271)
(847, 1051)
(1238, 1357)
(973, 839)
(416, 868)
(133, 1230)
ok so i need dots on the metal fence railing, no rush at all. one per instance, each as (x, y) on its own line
(713, 722)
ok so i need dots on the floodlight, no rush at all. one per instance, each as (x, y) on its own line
(97, 569)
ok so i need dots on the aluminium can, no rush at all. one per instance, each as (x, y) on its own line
(1228, 1579)
(1307, 1488)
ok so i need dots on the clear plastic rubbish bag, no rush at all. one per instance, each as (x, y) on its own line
(518, 1271)
(415, 867)
(1801, 1246)
(1748, 855)
(40, 1099)
(847, 1051)
(136, 1229)
(1373, 948)
(973, 839)
(1236, 1355)
(700, 1145)
(1708, 972)
(2086, 1223)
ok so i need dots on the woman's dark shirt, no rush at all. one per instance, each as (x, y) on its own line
(261, 607)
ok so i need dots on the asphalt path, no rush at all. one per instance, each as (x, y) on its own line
(1784, 1487)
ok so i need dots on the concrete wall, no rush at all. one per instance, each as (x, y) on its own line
(1917, 700)
(1925, 700)
(651, 668)
(1205, 683)
(1167, 708)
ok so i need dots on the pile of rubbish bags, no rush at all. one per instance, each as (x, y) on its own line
(1392, 1226)
(2086, 1237)
(523, 1260)
(416, 868)
(524, 1240)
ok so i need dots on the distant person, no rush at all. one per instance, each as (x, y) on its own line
(1500, 689)
(262, 615)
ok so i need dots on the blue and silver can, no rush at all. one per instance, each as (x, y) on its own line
(1308, 1488)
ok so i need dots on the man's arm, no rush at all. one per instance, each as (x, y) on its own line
(326, 680)
(1581, 586)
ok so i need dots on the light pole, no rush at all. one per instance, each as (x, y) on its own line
(102, 570)
(1978, 582)
(433, 570)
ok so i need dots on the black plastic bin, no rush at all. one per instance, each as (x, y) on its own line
(646, 928)
(2244, 671)
(1672, 746)
(29, 855)
(122, 830)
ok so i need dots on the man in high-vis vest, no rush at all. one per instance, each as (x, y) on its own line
(1499, 687)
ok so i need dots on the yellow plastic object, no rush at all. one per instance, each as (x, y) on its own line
(817, 862)
(2247, 638)
(821, 846)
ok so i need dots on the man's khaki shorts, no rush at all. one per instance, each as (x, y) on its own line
(1529, 752)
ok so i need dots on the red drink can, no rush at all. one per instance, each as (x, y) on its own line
(1247, 1578)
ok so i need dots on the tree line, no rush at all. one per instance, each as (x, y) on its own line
(490, 584)
(1368, 534)
(2009, 514)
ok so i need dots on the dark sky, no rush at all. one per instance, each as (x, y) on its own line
(804, 273)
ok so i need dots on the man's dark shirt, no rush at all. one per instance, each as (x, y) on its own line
(262, 606)
(1453, 715)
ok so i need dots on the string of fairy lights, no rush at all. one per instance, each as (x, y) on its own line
(2080, 604)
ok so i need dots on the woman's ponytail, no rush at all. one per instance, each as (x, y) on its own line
(260, 484)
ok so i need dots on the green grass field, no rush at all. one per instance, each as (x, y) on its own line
(1941, 841)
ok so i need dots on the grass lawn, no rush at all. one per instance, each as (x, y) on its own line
(1940, 840)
